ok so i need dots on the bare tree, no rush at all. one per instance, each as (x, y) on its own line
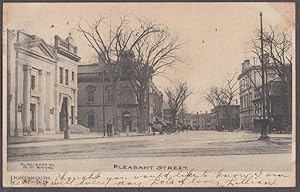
(223, 97)
(115, 48)
(278, 46)
(153, 55)
(277, 51)
(216, 98)
(230, 92)
(277, 58)
(176, 98)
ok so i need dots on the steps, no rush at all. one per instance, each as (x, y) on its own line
(76, 128)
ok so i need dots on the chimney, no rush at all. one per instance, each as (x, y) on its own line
(245, 64)
(247, 61)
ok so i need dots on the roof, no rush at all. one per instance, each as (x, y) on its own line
(36, 46)
(91, 68)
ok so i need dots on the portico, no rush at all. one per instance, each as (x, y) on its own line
(39, 94)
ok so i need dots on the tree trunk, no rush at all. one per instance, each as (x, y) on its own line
(147, 106)
(142, 113)
(115, 101)
(218, 126)
(173, 119)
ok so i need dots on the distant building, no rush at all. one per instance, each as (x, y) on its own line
(42, 85)
(226, 116)
(155, 102)
(166, 111)
(188, 119)
(199, 121)
(95, 100)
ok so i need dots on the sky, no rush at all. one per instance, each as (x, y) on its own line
(215, 34)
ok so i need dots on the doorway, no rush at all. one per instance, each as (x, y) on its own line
(91, 121)
(63, 115)
(126, 120)
(32, 117)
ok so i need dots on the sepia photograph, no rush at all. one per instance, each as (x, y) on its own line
(185, 94)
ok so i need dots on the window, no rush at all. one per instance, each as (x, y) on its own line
(32, 81)
(91, 120)
(91, 94)
(241, 101)
(61, 75)
(91, 97)
(109, 93)
(67, 76)
(126, 95)
(73, 75)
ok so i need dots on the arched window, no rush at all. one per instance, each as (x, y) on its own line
(91, 120)
(91, 94)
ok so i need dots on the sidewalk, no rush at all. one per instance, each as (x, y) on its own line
(60, 137)
(89, 138)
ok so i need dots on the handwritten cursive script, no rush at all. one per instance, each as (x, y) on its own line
(154, 179)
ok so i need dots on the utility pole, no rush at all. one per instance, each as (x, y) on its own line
(263, 121)
(103, 102)
(110, 26)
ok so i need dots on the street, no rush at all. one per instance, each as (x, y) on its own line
(195, 149)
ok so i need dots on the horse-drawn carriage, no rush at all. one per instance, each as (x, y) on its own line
(162, 126)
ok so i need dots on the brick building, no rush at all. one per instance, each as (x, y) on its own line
(227, 116)
(95, 107)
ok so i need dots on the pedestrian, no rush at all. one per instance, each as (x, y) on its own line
(112, 130)
(109, 128)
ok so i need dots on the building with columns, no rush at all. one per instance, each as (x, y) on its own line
(41, 84)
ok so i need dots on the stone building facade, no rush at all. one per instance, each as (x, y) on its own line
(249, 80)
(41, 84)
(95, 107)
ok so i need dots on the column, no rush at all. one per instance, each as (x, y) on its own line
(57, 112)
(11, 81)
(52, 103)
(43, 88)
(75, 106)
(26, 96)
(47, 102)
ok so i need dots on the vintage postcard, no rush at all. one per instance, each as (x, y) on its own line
(149, 94)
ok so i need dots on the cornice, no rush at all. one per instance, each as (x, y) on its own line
(34, 54)
(68, 54)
